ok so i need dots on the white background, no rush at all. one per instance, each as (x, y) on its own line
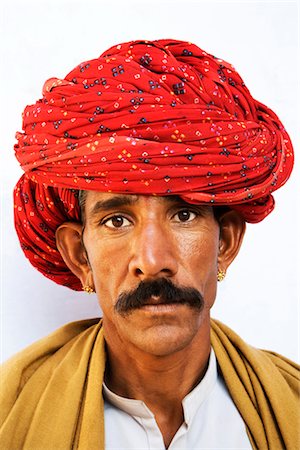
(41, 39)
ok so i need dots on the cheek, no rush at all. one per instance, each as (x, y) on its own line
(109, 267)
(201, 250)
(201, 255)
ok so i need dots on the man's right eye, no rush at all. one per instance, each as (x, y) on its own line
(116, 222)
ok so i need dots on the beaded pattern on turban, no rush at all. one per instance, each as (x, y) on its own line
(161, 117)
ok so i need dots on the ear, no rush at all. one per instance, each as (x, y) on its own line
(232, 230)
(70, 245)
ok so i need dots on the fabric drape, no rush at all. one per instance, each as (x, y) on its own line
(51, 396)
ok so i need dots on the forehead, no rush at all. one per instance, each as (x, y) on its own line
(103, 200)
(105, 197)
(96, 201)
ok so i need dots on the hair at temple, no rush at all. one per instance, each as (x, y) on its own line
(218, 211)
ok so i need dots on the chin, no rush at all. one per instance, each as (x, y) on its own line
(165, 340)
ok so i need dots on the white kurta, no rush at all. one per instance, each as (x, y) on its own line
(211, 420)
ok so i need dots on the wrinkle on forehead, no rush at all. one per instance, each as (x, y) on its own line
(105, 201)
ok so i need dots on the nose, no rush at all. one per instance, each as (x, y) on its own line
(154, 253)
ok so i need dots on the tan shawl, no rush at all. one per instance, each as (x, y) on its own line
(51, 393)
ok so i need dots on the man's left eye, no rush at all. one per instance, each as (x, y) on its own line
(185, 215)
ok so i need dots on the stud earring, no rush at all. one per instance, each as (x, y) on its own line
(221, 275)
(88, 289)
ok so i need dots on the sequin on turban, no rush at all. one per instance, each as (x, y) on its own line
(161, 117)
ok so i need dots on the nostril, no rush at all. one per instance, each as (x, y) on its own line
(165, 271)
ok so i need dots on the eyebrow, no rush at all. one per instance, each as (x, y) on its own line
(113, 202)
(127, 200)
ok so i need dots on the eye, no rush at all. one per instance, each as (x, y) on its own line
(116, 222)
(185, 215)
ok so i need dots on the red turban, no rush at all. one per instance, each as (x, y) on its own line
(161, 117)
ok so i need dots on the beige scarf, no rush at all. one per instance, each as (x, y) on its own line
(51, 394)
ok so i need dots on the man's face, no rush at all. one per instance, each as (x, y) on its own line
(131, 239)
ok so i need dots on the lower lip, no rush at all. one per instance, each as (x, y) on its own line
(161, 308)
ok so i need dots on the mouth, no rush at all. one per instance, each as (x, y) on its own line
(157, 304)
(162, 307)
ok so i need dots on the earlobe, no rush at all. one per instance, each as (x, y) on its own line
(232, 230)
(70, 245)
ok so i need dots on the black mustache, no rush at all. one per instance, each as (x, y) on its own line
(163, 288)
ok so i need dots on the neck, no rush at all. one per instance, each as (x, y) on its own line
(161, 382)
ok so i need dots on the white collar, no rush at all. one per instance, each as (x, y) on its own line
(190, 403)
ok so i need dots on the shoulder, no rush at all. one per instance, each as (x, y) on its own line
(230, 348)
(264, 387)
(16, 371)
(289, 370)
(36, 353)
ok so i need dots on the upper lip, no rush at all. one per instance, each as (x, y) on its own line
(155, 300)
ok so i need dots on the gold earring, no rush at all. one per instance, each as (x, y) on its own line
(221, 275)
(88, 289)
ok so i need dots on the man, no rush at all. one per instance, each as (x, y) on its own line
(141, 168)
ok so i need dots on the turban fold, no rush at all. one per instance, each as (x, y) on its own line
(147, 117)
